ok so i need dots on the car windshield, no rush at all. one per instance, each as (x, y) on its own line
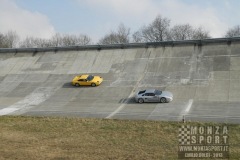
(157, 92)
(90, 77)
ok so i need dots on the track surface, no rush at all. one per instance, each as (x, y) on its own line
(205, 82)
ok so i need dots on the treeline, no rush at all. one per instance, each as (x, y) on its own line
(12, 40)
(158, 30)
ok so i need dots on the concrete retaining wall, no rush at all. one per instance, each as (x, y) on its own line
(205, 71)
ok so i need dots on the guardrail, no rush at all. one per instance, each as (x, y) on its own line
(123, 46)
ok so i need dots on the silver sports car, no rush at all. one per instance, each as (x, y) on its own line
(153, 95)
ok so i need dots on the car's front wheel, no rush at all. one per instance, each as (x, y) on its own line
(163, 100)
(93, 84)
(140, 100)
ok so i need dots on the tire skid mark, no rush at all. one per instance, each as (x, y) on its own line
(38, 96)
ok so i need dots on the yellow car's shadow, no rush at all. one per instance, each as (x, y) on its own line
(69, 85)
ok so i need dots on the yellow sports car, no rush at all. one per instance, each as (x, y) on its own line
(87, 80)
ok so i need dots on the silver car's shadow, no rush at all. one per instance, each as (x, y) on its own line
(130, 100)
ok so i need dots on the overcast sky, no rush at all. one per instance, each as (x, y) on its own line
(95, 18)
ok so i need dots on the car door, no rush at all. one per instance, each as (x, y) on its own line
(83, 82)
(153, 97)
(88, 83)
(148, 97)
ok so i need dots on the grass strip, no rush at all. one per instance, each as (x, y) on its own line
(100, 139)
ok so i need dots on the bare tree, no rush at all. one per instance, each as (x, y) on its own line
(137, 37)
(32, 42)
(182, 32)
(69, 40)
(2, 41)
(56, 40)
(233, 32)
(11, 39)
(72, 40)
(200, 33)
(122, 35)
(29, 42)
(157, 31)
(84, 40)
(40, 42)
(110, 38)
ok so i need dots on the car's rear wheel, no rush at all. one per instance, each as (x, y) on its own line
(140, 100)
(77, 84)
(93, 84)
(163, 100)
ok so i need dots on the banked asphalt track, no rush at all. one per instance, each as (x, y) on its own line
(204, 77)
